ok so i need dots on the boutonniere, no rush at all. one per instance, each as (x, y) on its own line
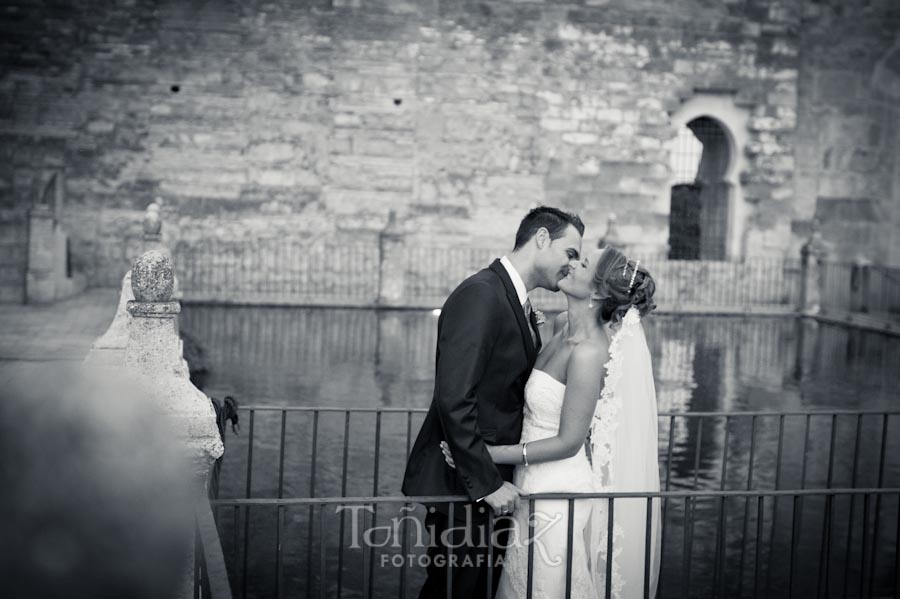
(539, 317)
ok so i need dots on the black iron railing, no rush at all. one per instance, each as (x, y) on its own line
(860, 288)
(275, 270)
(761, 475)
(272, 270)
(331, 451)
(747, 497)
(732, 543)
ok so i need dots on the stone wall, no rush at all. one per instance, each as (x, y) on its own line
(848, 132)
(311, 120)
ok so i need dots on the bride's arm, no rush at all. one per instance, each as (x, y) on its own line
(584, 381)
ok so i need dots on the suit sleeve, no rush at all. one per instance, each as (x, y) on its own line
(466, 341)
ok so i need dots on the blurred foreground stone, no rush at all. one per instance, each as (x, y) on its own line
(97, 495)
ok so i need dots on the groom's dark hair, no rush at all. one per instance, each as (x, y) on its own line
(552, 219)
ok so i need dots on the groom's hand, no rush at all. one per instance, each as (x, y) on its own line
(504, 500)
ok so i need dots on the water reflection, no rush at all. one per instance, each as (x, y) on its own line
(365, 358)
(351, 357)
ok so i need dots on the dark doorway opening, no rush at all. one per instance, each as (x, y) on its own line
(698, 217)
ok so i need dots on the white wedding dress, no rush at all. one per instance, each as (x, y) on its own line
(623, 458)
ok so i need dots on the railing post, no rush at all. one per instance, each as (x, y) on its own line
(153, 354)
(392, 263)
(812, 260)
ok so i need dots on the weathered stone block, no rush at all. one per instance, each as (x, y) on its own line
(271, 152)
(580, 139)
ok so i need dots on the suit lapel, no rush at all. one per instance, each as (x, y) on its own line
(513, 298)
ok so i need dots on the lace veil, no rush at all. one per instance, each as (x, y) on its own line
(624, 459)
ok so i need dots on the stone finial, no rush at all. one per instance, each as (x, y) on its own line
(153, 277)
(611, 238)
(152, 222)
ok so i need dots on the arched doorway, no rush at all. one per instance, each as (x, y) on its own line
(707, 212)
(698, 219)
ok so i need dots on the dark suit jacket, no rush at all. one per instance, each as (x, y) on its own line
(484, 357)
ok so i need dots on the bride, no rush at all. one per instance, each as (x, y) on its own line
(568, 396)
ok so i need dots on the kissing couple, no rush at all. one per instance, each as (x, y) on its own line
(523, 407)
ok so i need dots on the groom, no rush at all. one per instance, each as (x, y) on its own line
(487, 344)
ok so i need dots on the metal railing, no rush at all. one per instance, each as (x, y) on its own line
(797, 543)
(432, 273)
(286, 271)
(860, 288)
(365, 450)
(882, 293)
(274, 270)
(740, 490)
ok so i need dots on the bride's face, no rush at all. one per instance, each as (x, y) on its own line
(580, 280)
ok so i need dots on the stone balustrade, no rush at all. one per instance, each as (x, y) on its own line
(143, 338)
(153, 356)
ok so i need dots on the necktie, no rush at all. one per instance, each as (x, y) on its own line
(529, 314)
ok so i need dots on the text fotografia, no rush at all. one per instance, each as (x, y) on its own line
(455, 561)
(507, 532)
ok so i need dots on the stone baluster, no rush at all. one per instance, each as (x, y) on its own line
(392, 266)
(812, 261)
(153, 355)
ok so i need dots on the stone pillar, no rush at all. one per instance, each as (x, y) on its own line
(392, 263)
(808, 348)
(612, 238)
(109, 348)
(389, 355)
(40, 280)
(860, 277)
(812, 259)
(153, 355)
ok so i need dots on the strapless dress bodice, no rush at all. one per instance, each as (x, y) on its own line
(544, 396)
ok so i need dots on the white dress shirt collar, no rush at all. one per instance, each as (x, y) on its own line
(517, 281)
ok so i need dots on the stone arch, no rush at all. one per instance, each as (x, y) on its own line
(721, 109)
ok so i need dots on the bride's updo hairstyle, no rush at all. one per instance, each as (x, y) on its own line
(611, 281)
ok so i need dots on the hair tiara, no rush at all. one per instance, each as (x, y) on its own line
(633, 274)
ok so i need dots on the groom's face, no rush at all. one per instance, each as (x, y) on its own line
(560, 255)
